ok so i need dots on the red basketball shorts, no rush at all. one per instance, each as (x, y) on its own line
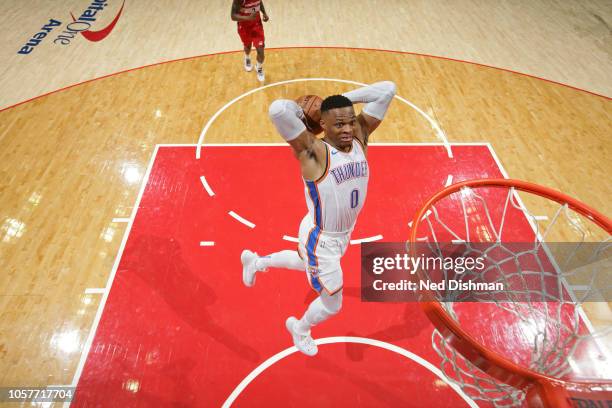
(251, 33)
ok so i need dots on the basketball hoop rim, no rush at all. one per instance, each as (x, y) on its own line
(484, 358)
(578, 206)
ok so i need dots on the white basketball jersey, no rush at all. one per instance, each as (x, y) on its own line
(335, 200)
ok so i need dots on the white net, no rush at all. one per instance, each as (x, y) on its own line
(552, 267)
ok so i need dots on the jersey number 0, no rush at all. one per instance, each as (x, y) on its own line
(354, 198)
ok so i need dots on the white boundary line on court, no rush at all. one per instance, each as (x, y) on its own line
(358, 340)
(206, 186)
(369, 239)
(449, 180)
(92, 291)
(439, 132)
(278, 144)
(111, 278)
(241, 219)
(497, 161)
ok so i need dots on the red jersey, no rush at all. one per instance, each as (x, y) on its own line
(248, 7)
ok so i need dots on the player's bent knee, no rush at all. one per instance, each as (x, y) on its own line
(332, 303)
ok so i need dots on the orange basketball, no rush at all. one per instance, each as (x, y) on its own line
(311, 104)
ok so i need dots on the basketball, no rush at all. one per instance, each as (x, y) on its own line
(311, 104)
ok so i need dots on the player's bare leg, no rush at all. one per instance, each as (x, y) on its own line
(253, 263)
(321, 309)
(248, 66)
(259, 66)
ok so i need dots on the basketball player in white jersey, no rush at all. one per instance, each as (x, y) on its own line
(335, 172)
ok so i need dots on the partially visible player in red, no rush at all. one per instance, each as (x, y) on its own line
(250, 29)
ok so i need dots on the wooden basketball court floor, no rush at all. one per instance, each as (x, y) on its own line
(74, 162)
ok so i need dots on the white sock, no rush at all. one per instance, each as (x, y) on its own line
(258, 65)
(319, 310)
(284, 259)
(247, 57)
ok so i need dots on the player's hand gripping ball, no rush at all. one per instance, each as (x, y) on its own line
(311, 105)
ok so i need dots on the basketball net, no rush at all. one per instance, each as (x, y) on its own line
(499, 347)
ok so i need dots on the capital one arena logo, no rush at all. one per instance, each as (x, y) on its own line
(81, 25)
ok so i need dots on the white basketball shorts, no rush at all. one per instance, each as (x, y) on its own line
(321, 252)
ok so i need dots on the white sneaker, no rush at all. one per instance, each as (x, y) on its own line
(248, 67)
(260, 74)
(249, 269)
(303, 343)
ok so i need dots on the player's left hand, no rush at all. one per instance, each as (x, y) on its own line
(265, 17)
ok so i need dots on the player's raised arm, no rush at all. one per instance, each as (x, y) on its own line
(377, 98)
(287, 117)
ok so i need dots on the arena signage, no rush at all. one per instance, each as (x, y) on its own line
(81, 25)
